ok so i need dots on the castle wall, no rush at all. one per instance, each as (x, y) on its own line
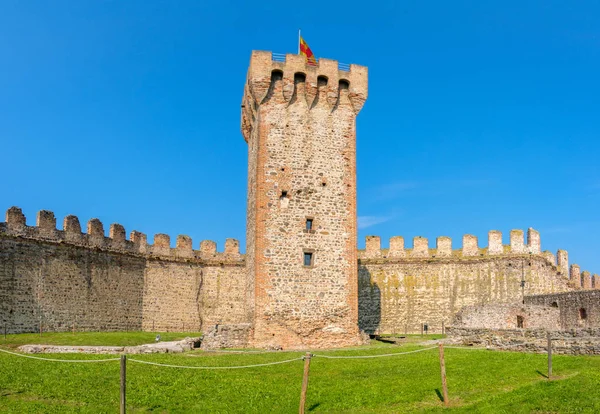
(507, 316)
(570, 305)
(66, 277)
(401, 289)
(61, 285)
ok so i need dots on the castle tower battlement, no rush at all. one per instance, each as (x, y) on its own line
(299, 122)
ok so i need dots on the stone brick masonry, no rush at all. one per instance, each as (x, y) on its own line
(299, 123)
(400, 289)
(66, 277)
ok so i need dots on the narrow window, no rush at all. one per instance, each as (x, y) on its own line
(308, 259)
(519, 321)
(309, 224)
(283, 194)
(582, 314)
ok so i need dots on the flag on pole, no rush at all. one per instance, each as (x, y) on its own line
(305, 51)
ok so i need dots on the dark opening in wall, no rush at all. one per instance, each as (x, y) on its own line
(276, 75)
(344, 84)
(554, 305)
(309, 224)
(308, 259)
(520, 321)
(582, 314)
(321, 81)
(299, 77)
(283, 194)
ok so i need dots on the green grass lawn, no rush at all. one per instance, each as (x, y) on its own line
(478, 381)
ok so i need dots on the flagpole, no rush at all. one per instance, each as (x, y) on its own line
(299, 41)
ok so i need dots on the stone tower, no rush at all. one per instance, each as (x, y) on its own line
(299, 123)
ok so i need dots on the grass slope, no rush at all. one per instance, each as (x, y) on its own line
(478, 381)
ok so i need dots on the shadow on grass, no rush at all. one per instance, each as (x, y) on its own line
(439, 394)
(314, 407)
(542, 374)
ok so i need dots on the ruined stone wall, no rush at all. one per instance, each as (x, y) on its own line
(579, 309)
(299, 121)
(507, 316)
(66, 277)
(399, 289)
(568, 342)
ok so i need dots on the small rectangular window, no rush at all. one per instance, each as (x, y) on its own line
(308, 259)
(309, 223)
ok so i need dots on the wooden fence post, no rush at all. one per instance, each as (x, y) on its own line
(307, 357)
(549, 356)
(443, 371)
(123, 382)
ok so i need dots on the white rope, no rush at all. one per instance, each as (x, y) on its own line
(374, 356)
(59, 360)
(498, 347)
(234, 367)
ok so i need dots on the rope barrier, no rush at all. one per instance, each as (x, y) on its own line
(58, 360)
(373, 356)
(195, 367)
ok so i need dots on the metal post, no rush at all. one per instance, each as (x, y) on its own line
(549, 356)
(5, 331)
(123, 382)
(304, 382)
(443, 328)
(443, 371)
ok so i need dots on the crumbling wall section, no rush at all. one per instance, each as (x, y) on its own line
(578, 309)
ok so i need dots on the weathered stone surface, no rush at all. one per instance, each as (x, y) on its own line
(570, 342)
(112, 285)
(507, 316)
(397, 295)
(577, 309)
(299, 122)
(167, 347)
(227, 336)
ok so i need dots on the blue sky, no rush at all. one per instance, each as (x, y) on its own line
(481, 115)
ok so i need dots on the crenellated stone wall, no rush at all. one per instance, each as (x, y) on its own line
(66, 277)
(401, 289)
(61, 278)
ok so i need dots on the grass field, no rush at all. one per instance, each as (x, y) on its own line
(478, 381)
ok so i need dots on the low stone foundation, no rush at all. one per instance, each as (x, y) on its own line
(227, 336)
(568, 342)
(170, 347)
